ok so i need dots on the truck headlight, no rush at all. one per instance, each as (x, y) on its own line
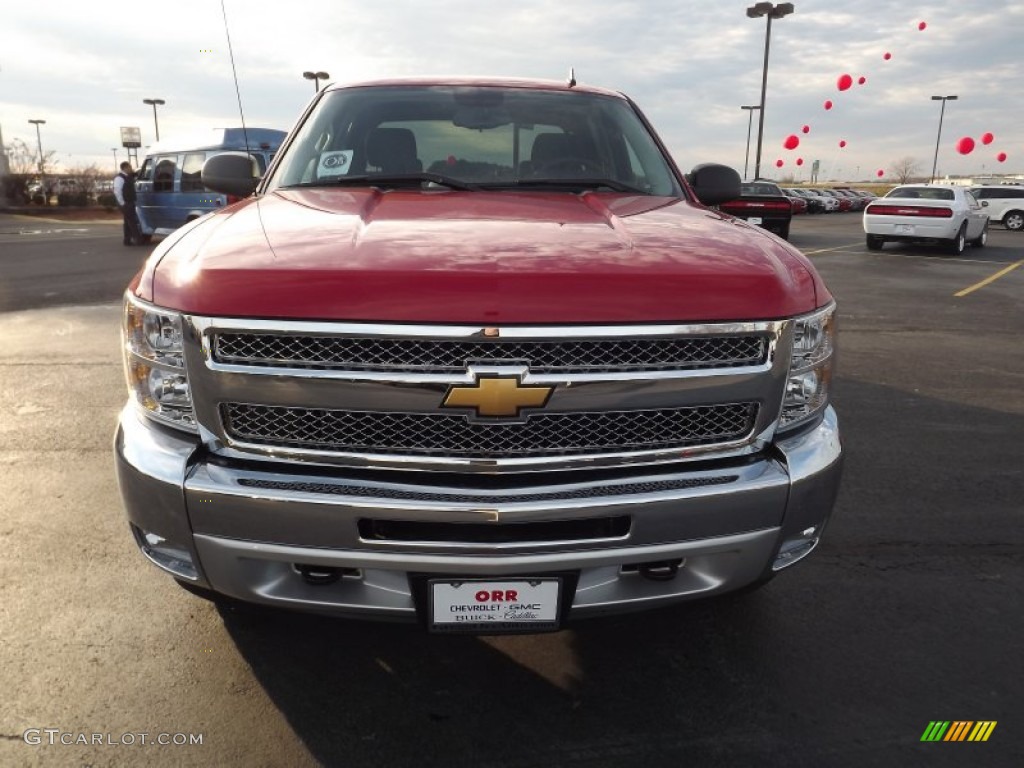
(810, 368)
(154, 363)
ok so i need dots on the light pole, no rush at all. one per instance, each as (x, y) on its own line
(116, 169)
(42, 171)
(938, 137)
(772, 12)
(154, 103)
(316, 77)
(750, 122)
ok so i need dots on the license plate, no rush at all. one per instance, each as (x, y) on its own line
(754, 219)
(506, 605)
(904, 229)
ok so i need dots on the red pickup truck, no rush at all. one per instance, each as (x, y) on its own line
(475, 353)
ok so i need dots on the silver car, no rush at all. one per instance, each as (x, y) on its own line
(941, 214)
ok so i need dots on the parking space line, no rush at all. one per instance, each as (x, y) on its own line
(987, 280)
(826, 250)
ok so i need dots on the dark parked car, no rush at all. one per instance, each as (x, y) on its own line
(762, 203)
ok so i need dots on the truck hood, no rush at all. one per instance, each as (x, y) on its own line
(478, 258)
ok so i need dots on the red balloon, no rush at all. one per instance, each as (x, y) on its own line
(879, 173)
(965, 146)
(1001, 157)
(861, 80)
(799, 161)
(828, 105)
(887, 56)
(921, 26)
(842, 143)
(844, 82)
(779, 163)
(806, 129)
(791, 142)
(986, 138)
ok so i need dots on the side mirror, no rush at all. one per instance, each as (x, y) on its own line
(984, 203)
(233, 173)
(714, 183)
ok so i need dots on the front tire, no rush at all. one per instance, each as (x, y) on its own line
(980, 240)
(874, 242)
(1014, 220)
(959, 243)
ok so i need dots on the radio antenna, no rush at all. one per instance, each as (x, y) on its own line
(234, 73)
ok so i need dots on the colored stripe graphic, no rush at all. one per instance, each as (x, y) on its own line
(958, 730)
(982, 730)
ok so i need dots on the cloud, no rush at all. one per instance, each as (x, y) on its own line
(689, 66)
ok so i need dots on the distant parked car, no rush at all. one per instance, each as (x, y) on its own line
(763, 203)
(845, 203)
(814, 204)
(941, 214)
(857, 202)
(830, 203)
(1002, 203)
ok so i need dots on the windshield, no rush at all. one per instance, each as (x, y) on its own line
(477, 137)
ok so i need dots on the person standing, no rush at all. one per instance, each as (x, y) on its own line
(124, 193)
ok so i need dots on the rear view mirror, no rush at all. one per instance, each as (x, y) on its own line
(714, 183)
(233, 173)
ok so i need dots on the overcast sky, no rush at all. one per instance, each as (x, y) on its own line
(84, 66)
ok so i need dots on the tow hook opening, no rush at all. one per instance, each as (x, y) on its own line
(321, 575)
(660, 570)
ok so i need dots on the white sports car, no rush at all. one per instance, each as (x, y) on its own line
(941, 214)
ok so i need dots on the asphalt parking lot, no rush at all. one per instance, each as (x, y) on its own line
(909, 612)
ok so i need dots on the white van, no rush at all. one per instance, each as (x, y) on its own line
(1002, 203)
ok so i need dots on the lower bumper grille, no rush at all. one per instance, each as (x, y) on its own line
(428, 434)
(491, 533)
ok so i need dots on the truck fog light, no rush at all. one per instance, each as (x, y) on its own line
(796, 549)
(172, 557)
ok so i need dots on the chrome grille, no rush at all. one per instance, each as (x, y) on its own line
(396, 354)
(482, 497)
(430, 434)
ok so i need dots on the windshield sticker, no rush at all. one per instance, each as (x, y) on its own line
(334, 163)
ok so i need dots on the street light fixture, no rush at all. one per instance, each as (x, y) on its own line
(316, 77)
(154, 103)
(42, 171)
(750, 122)
(772, 11)
(938, 137)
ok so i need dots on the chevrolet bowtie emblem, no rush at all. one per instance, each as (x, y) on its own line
(497, 397)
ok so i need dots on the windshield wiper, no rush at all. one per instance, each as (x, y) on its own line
(388, 180)
(591, 183)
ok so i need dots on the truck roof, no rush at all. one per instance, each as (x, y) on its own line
(482, 82)
(220, 138)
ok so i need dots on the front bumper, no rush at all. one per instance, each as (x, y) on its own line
(249, 529)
